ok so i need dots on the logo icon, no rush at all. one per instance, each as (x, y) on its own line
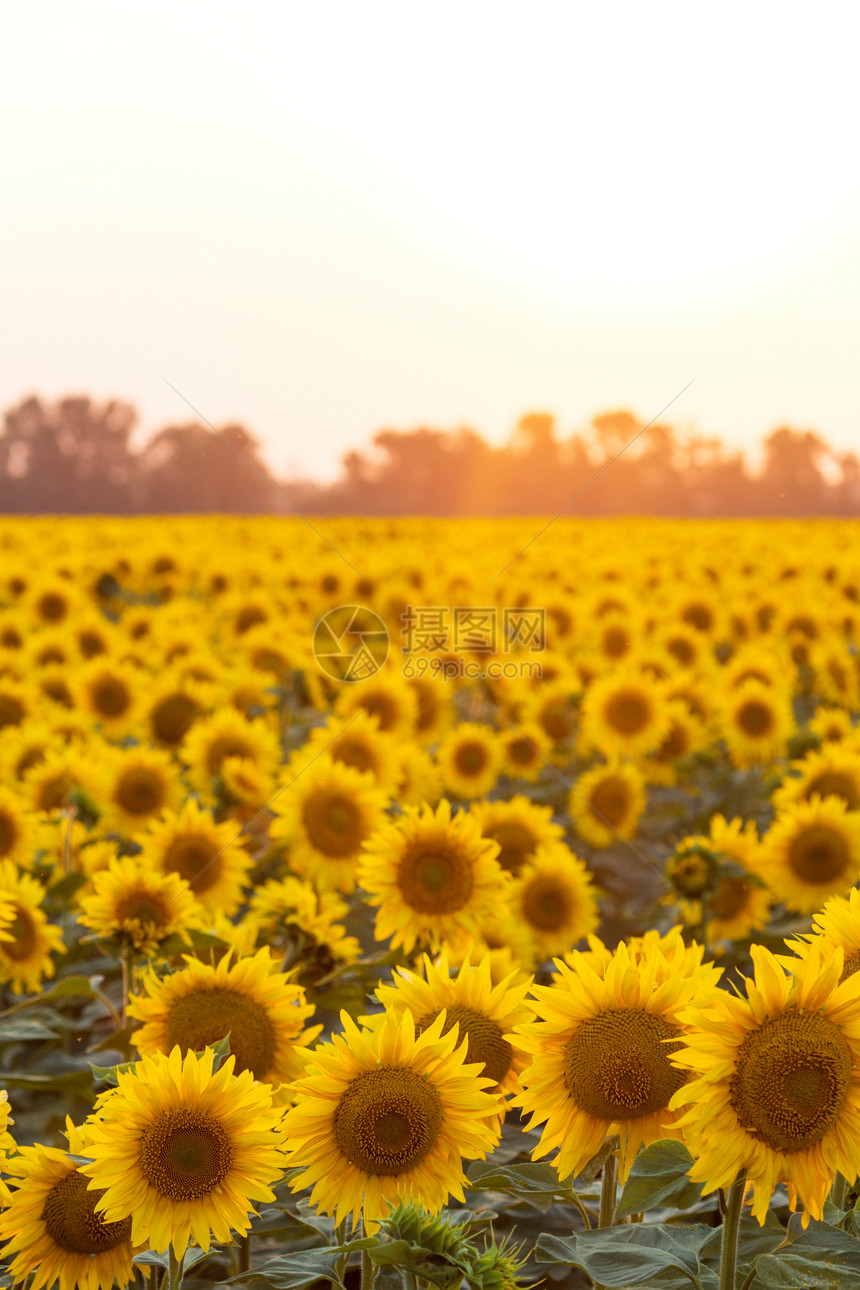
(351, 643)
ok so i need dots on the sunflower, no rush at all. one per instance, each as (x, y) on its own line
(833, 772)
(139, 784)
(835, 676)
(484, 1011)
(388, 698)
(387, 1115)
(182, 1150)
(140, 906)
(737, 905)
(553, 709)
(208, 857)
(554, 898)
(525, 750)
(837, 927)
(624, 713)
(17, 702)
(600, 1051)
(775, 1087)
(109, 693)
(292, 917)
(832, 725)
(52, 1229)
(7, 1142)
(261, 1009)
(50, 783)
(469, 759)
(519, 826)
(812, 852)
(325, 814)
(358, 742)
(685, 735)
(28, 940)
(420, 779)
(172, 706)
(226, 734)
(433, 876)
(17, 829)
(607, 802)
(756, 723)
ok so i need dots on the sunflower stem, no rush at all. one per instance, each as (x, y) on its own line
(608, 1191)
(174, 1269)
(244, 1243)
(368, 1271)
(731, 1230)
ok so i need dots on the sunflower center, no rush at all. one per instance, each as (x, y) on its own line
(434, 882)
(384, 707)
(172, 717)
(53, 607)
(110, 696)
(23, 931)
(522, 752)
(556, 721)
(428, 707)
(610, 799)
(516, 843)
(546, 903)
(731, 897)
(471, 757)
(485, 1041)
(628, 712)
(195, 860)
(145, 907)
(833, 783)
(72, 1223)
(755, 718)
(791, 1080)
(12, 710)
(203, 1017)
(54, 792)
(819, 854)
(851, 964)
(675, 744)
(140, 791)
(355, 753)
(699, 616)
(185, 1154)
(226, 746)
(30, 758)
(333, 823)
(616, 1065)
(388, 1120)
(8, 833)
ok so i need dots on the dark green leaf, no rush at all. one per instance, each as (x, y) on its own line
(537, 1183)
(820, 1256)
(629, 1256)
(72, 986)
(149, 1258)
(63, 890)
(79, 1082)
(299, 1269)
(21, 1028)
(108, 1074)
(659, 1177)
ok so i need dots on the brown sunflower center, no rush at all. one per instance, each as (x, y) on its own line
(145, 907)
(72, 1223)
(388, 1120)
(616, 1065)
(435, 879)
(54, 791)
(52, 607)
(628, 711)
(110, 696)
(616, 642)
(731, 897)
(681, 649)
(31, 757)
(185, 1154)
(333, 823)
(171, 718)
(227, 746)
(429, 705)
(91, 644)
(556, 720)
(676, 743)
(12, 710)
(522, 752)
(203, 1017)
(383, 706)
(699, 616)
(24, 935)
(819, 853)
(485, 1041)
(834, 783)
(610, 799)
(755, 718)
(354, 752)
(195, 859)
(791, 1080)
(8, 833)
(547, 904)
(851, 964)
(516, 843)
(471, 757)
(140, 791)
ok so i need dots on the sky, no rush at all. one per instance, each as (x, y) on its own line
(325, 220)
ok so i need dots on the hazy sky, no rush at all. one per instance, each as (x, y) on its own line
(326, 219)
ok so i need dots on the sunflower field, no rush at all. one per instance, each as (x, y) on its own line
(423, 903)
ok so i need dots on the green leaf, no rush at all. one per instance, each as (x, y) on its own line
(20, 1029)
(149, 1258)
(659, 1178)
(630, 1256)
(61, 892)
(297, 1270)
(79, 1082)
(221, 1049)
(821, 1256)
(108, 1074)
(539, 1184)
(72, 987)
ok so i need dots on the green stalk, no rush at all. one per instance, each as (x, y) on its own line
(244, 1243)
(174, 1270)
(368, 1271)
(731, 1231)
(608, 1197)
(839, 1192)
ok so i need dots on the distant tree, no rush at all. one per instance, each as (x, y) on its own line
(188, 468)
(792, 481)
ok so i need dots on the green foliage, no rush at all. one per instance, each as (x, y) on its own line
(658, 1178)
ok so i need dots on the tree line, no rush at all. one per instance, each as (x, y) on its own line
(75, 456)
